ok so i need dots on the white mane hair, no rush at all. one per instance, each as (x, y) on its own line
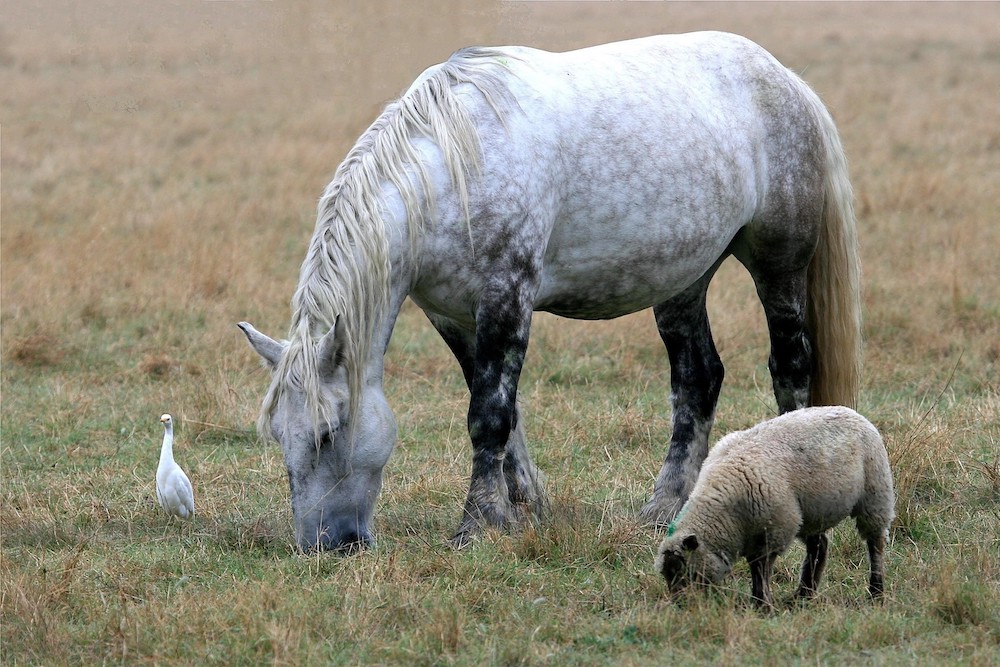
(346, 271)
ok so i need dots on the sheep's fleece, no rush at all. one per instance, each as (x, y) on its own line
(796, 475)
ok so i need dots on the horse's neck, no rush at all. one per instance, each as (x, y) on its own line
(402, 239)
(403, 262)
(399, 288)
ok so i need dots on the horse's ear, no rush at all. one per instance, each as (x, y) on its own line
(690, 543)
(269, 349)
(331, 349)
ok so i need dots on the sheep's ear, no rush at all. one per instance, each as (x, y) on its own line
(690, 543)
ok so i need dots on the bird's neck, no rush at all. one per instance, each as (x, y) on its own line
(167, 450)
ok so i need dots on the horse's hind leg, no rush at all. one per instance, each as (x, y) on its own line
(696, 374)
(783, 296)
(524, 483)
(777, 253)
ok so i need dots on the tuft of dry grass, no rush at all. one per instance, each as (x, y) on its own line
(37, 350)
(157, 365)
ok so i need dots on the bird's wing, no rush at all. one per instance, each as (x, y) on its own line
(186, 492)
(176, 494)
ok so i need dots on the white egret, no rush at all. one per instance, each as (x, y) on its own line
(173, 488)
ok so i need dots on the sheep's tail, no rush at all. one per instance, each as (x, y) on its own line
(834, 281)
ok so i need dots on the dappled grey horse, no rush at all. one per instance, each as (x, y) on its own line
(589, 184)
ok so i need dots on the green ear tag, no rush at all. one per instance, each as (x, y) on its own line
(672, 528)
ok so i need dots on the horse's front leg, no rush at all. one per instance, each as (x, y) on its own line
(525, 482)
(696, 374)
(505, 482)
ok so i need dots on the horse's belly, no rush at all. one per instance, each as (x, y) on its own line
(611, 254)
(600, 306)
(619, 283)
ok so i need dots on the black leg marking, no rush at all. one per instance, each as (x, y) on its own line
(783, 297)
(876, 550)
(460, 341)
(696, 374)
(812, 566)
(501, 342)
(495, 427)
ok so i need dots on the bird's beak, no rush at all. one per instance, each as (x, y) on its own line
(164, 420)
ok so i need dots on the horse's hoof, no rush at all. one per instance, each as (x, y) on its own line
(540, 508)
(461, 539)
(478, 519)
(474, 524)
(659, 512)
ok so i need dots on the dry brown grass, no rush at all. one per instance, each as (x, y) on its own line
(160, 166)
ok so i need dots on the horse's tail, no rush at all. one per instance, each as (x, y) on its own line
(834, 281)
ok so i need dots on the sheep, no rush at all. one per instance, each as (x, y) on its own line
(796, 475)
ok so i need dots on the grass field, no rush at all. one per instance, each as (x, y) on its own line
(160, 168)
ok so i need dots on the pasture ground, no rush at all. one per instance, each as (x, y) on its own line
(160, 167)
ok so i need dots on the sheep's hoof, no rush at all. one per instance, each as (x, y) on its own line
(803, 594)
(764, 606)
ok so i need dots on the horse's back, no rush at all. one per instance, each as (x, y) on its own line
(627, 168)
(713, 73)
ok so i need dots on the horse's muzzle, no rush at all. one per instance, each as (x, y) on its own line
(348, 541)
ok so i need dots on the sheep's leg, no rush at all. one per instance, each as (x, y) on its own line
(760, 577)
(813, 565)
(876, 582)
(696, 374)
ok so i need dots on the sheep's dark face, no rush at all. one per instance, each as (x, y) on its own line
(673, 566)
(683, 560)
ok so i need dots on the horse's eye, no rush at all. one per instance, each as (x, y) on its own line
(324, 439)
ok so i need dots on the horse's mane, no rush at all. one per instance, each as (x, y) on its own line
(346, 270)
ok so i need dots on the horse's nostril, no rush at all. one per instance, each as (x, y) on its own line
(352, 543)
(348, 542)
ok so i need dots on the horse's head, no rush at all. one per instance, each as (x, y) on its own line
(335, 462)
